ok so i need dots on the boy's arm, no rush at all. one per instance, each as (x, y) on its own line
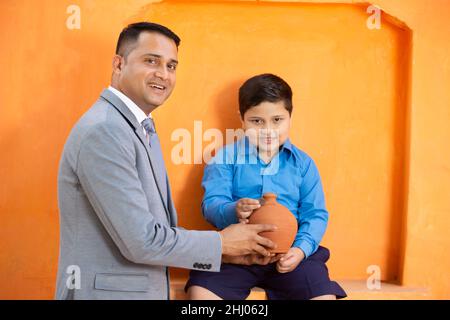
(218, 206)
(312, 211)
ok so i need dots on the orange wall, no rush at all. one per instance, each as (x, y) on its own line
(370, 109)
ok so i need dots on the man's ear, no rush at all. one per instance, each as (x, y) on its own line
(117, 64)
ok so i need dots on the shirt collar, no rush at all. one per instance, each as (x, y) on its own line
(287, 145)
(138, 113)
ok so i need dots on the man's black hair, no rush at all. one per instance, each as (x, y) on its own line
(130, 35)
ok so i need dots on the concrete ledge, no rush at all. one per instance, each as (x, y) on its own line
(356, 290)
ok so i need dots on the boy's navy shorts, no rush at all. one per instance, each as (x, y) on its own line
(310, 279)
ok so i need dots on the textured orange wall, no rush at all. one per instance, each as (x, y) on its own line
(374, 120)
(348, 84)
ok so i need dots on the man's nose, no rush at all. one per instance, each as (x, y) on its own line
(162, 73)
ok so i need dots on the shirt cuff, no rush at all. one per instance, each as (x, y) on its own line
(229, 214)
(221, 248)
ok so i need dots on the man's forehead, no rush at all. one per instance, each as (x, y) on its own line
(156, 44)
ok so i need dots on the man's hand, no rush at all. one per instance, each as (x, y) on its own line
(245, 207)
(242, 239)
(251, 259)
(290, 260)
(261, 260)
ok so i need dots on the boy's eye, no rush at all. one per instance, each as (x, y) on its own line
(256, 121)
(278, 119)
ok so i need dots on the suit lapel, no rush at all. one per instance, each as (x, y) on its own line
(117, 103)
(170, 204)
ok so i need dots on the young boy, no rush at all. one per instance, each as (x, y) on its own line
(265, 160)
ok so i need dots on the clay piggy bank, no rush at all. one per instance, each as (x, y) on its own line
(272, 212)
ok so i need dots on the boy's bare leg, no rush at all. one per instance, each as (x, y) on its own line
(200, 293)
(325, 297)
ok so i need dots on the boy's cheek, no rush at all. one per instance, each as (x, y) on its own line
(252, 136)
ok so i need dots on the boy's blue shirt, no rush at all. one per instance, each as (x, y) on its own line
(237, 172)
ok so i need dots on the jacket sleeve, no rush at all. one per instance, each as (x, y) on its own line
(108, 175)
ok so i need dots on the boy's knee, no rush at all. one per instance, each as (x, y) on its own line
(200, 293)
(325, 297)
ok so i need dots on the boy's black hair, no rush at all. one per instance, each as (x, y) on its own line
(264, 87)
(130, 35)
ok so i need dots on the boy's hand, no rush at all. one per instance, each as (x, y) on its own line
(262, 260)
(290, 260)
(245, 207)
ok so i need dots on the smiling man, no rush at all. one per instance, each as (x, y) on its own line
(118, 223)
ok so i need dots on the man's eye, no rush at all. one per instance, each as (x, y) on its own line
(172, 66)
(151, 61)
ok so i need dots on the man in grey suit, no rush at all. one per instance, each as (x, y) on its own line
(118, 223)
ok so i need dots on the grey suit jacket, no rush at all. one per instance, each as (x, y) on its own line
(117, 218)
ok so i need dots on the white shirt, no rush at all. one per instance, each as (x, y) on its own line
(138, 113)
